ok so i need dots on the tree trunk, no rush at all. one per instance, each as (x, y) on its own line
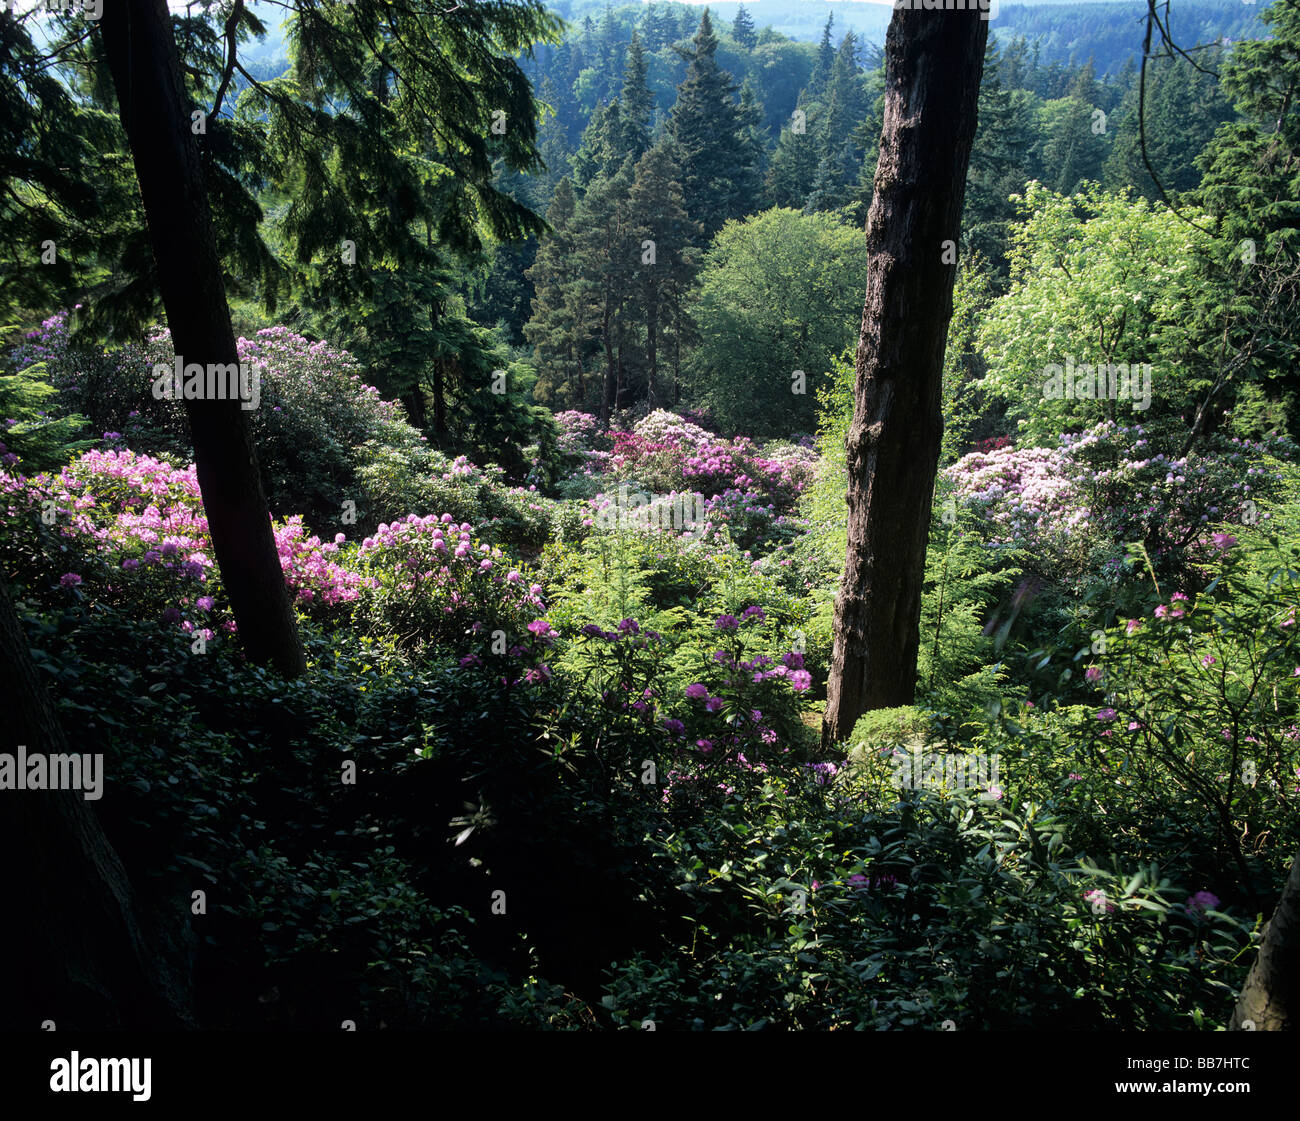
(652, 354)
(1270, 998)
(935, 61)
(76, 951)
(610, 389)
(440, 399)
(142, 57)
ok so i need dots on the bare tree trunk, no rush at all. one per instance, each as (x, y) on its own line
(652, 353)
(76, 951)
(610, 391)
(142, 57)
(1270, 998)
(935, 60)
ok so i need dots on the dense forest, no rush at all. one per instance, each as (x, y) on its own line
(472, 558)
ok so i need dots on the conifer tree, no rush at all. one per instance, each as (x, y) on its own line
(604, 262)
(792, 171)
(707, 128)
(999, 167)
(636, 102)
(552, 330)
(821, 74)
(663, 236)
(742, 30)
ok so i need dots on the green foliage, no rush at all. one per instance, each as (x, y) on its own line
(1201, 701)
(35, 439)
(1096, 278)
(807, 911)
(779, 292)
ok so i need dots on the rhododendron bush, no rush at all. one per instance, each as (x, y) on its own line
(129, 531)
(429, 580)
(317, 427)
(1077, 505)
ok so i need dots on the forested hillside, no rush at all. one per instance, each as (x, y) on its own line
(588, 517)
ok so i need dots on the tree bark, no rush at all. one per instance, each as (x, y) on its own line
(75, 948)
(935, 60)
(1270, 998)
(142, 57)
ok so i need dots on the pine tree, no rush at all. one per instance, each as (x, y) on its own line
(707, 128)
(742, 30)
(636, 101)
(821, 74)
(663, 236)
(552, 330)
(793, 169)
(999, 167)
(604, 262)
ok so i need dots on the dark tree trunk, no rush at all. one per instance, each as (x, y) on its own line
(440, 399)
(935, 60)
(609, 393)
(1270, 998)
(413, 399)
(76, 952)
(142, 57)
(652, 353)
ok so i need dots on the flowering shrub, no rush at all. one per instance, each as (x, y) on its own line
(1203, 698)
(579, 432)
(428, 580)
(1171, 503)
(621, 667)
(664, 427)
(125, 530)
(131, 529)
(316, 427)
(1078, 504)
(743, 708)
(1026, 496)
(654, 464)
(751, 522)
(717, 467)
(814, 913)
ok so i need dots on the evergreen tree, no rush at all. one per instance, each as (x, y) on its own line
(848, 102)
(552, 330)
(821, 74)
(636, 101)
(601, 151)
(654, 32)
(706, 126)
(1074, 149)
(832, 187)
(663, 235)
(742, 30)
(999, 167)
(793, 169)
(604, 261)
(1175, 135)
(867, 139)
(749, 182)
(847, 97)
(1251, 186)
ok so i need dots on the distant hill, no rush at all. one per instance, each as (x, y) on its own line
(1068, 31)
